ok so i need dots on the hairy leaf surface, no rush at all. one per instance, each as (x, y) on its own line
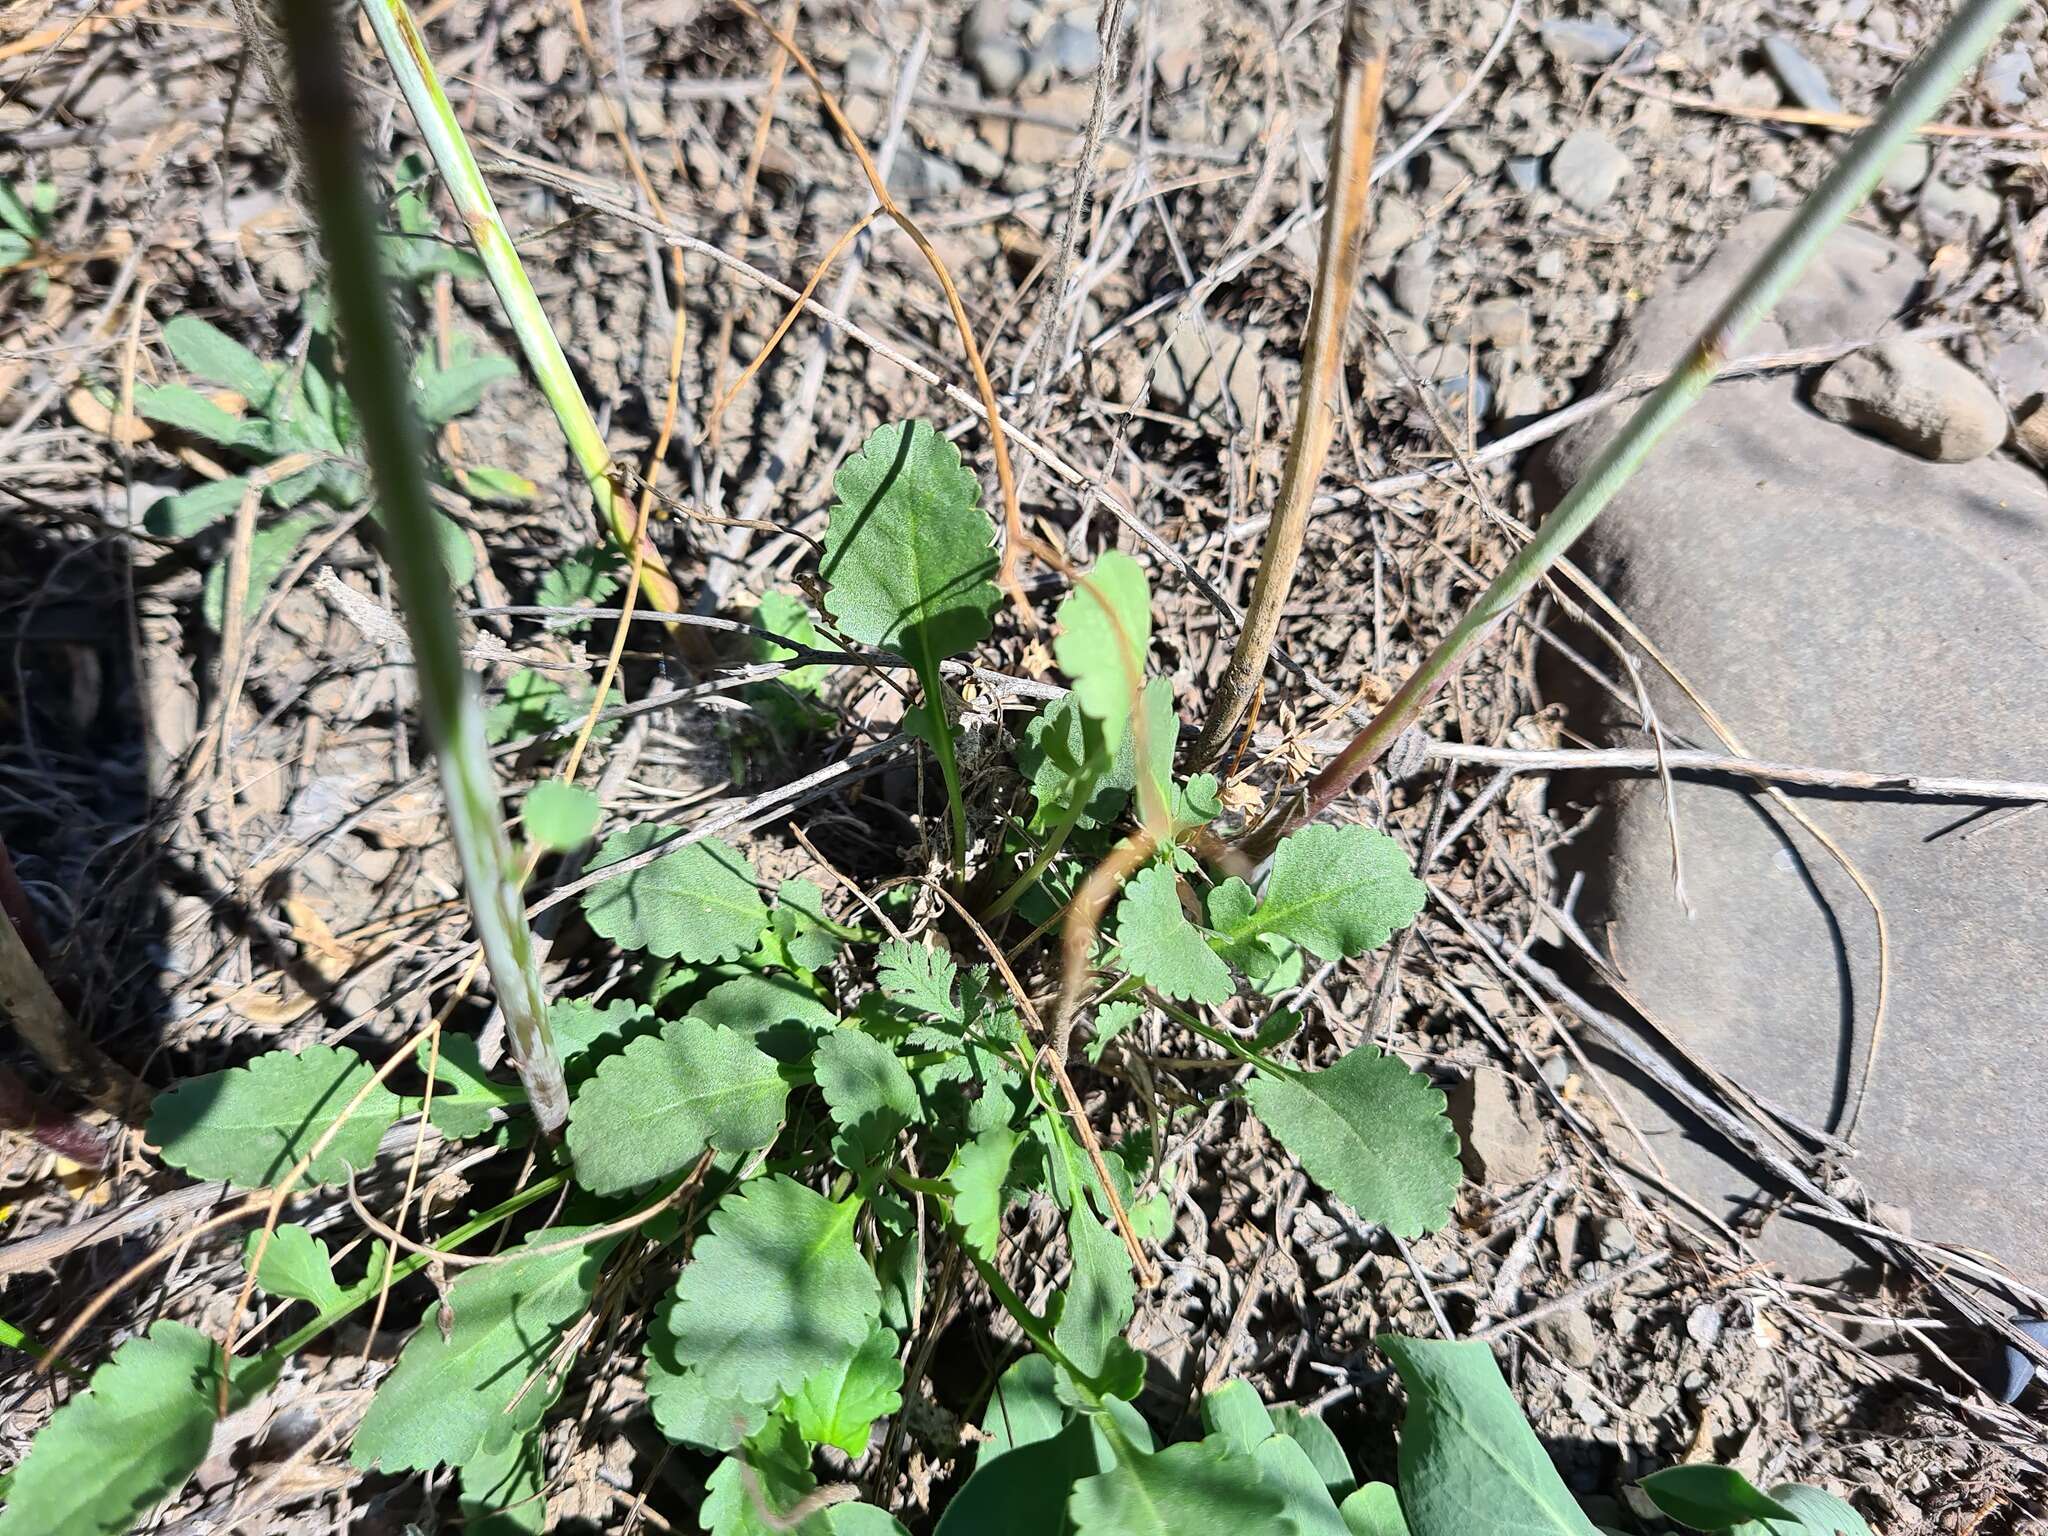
(698, 903)
(1160, 945)
(249, 1125)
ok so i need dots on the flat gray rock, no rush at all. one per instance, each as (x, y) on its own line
(1846, 604)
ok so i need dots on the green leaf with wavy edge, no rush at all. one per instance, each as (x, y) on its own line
(754, 1491)
(782, 1015)
(1100, 1295)
(129, 1441)
(296, 1266)
(810, 938)
(1104, 630)
(577, 1023)
(451, 1398)
(440, 394)
(774, 1292)
(1371, 1132)
(558, 815)
(1711, 1498)
(464, 1094)
(208, 352)
(1161, 947)
(1337, 891)
(250, 1124)
(503, 1493)
(684, 1410)
(1469, 1460)
(1374, 1510)
(839, 1404)
(1197, 1488)
(697, 904)
(651, 1110)
(909, 558)
(868, 1091)
(980, 1177)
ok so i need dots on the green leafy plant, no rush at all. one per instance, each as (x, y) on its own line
(26, 209)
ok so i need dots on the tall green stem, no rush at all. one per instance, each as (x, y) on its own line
(929, 677)
(406, 52)
(1918, 95)
(376, 374)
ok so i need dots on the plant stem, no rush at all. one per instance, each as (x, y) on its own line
(1061, 831)
(941, 739)
(1354, 128)
(376, 376)
(1919, 93)
(406, 52)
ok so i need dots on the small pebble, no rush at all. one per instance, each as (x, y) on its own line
(1907, 168)
(1948, 210)
(1070, 48)
(918, 175)
(1584, 42)
(1414, 284)
(2031, 435)
(1801, 78)
(1525, 172)
(1587, 169)
(867, 69)
(2005, 79)
(1455, 390)
(1763, 189)
(1703, 1325)
(1616, 1240)
(1916, 397)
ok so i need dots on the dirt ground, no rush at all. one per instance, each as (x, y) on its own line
(226, 864)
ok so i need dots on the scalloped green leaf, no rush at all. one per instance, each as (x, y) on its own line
(1469, 1460)
(296, 1266)
(980, 1179)
(684, 1411)
(839, 1404)
(464, 1095)
(1161, 947)
(577, 1023)
(1104, 630)
(651, 1110)
(558, 815)
(909, 556)
(774, 1292)
(787, 615)
(124, 1445)
(1371, 1132)
(250, 1124)
(1337, 891)
(699, 903)
(583, 579)
(756, 1490)
(1196, 1488)
(868, 1091)
(451, 1398)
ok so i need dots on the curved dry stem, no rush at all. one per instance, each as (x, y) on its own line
(1354, 129)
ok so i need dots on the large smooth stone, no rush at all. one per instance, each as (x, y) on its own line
(1844, 604)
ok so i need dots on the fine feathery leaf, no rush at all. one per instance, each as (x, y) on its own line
(867, 1089)
(1161, 947)
(127, 1443)
(1337, 891)
(697, 904)
(920, 979)
(775, 1292)
(451, 1398)
(909, 554)
(250, 1124)
(1105, 629)
(1196, 1488)
(839, 1404)
(1373, 1133)
(558, 815)
(1469, 1460)
(653, 1108)
(296, 1266)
